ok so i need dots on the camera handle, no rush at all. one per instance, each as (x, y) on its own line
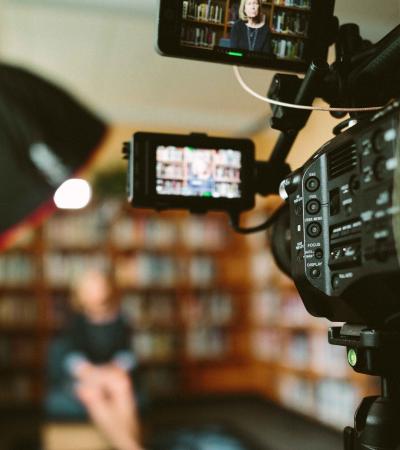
(268, 175)
(377, 419)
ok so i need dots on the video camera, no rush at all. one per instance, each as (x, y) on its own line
(338, 233)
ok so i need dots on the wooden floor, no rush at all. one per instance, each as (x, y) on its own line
(268, 426)
(71, 436)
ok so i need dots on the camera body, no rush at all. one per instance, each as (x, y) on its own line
(345, 222)
(195, 172)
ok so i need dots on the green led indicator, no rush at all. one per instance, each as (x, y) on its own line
(235, 54)
(207, 194)
(352, 357)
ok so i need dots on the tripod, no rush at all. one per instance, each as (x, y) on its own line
(373, 352)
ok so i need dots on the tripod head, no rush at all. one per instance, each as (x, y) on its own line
(373, 352)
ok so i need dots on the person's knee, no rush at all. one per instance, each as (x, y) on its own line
(120, 383)
(88, 395)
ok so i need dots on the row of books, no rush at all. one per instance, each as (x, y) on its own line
(145, 270)
(207, 343)
(16, 269)
(154, 346)
(263, 267)
(144, 232)
(209, 309)
(290, 23)
(206, 233)
(300, 351)
(85, 229)
(16, 389)
(165, 346)
(17, 351)
(286, 48)
(199, 36)
(332, 401)
(152, 309)
(63, 269)
(203, 11)
(304, 4)
(16, 310)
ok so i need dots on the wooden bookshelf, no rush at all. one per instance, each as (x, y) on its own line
(210, 311)
(168, 271)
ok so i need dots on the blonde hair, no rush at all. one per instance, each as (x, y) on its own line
(76, 301)
(243, 15)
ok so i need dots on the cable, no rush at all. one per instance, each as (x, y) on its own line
(290, 105)
(234, 220)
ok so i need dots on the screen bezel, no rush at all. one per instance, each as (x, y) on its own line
(169, 29)
(195, 203)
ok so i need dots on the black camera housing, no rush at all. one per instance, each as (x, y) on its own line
(345, 224)
(142, 177)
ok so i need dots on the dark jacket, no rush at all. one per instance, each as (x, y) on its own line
(240, 39)
(99, 343)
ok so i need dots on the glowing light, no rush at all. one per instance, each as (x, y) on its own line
(73, 194)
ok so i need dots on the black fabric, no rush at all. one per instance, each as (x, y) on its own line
(240, 38)
(36, 111)
(98, 342)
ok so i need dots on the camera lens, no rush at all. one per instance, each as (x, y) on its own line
(314, 229)
(313, 207)
(312, 184)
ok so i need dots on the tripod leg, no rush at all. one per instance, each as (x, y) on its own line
(348, 438)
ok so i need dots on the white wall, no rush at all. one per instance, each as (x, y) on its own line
(107, 58)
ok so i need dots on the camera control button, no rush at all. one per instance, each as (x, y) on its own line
(335, 281)
(315, 272)
(312, 184)
(313, 207)
(314, 229)
(319, 254)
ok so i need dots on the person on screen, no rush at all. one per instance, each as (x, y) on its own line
(97, 363)
(251, 31)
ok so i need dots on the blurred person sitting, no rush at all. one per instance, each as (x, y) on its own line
(95, 364)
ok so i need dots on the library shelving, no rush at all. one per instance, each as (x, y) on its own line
(170, 272)
(209, 310)
(289, 23)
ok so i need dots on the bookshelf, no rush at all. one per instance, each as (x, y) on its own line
(289, 22)
(204, 23)
(168, 270)
(20, 343)
(211, 313)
